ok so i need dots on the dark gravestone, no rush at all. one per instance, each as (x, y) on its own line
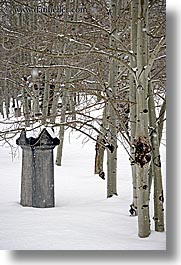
(37, 180)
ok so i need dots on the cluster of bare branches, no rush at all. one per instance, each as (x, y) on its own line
(48, 58)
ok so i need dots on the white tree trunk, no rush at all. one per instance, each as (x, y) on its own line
(132, 97)
(161, 120)
(55, 97)
(63, 115)
(156, 166)
(61, 131)
(142, 144)
(99, 157)
(111, 117)
(46, 96)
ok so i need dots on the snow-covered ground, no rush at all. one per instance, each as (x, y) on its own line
(83, 218)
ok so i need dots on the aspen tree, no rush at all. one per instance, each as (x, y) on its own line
(25, 96)
(142, 142)
(132, 96)
(55, 97)
(62, 119)
(64, 96)
(99, 157)
(46, 96)
(156, 165)
(111, 115)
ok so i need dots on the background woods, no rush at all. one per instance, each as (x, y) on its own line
(97, 67)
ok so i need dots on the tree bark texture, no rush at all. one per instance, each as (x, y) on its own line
(100, 149)
(156, 166)
(62, 120)
(111, 115)
(132, 96)
(142, 143)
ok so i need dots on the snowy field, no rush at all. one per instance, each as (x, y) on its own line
(83, 218)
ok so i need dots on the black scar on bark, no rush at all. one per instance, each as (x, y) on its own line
(144, 206)
(102, 175)
(145, 187)
(142, 151)
(110, 147)
(157, 161)
(132, 210)
(161, 197)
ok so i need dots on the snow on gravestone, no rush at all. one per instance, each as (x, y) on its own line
(37, 178)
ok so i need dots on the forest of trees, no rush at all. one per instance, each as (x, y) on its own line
(95, 66)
